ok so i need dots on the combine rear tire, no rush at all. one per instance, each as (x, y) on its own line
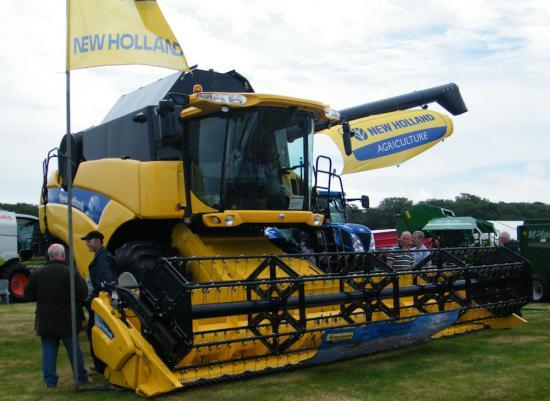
(541, 288)
(18, 276)
(137, 258)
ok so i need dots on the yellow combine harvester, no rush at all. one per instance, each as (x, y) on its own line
(184, 176)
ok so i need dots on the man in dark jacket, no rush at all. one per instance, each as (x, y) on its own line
(50, 288)
(101, 270)
(505, 241)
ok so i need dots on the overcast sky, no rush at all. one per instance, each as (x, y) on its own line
(342, 53)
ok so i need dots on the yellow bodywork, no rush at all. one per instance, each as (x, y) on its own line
(155, 190)
(137, 190)
(198, 107)
(140, 190)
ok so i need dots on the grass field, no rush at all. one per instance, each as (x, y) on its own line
(511, 364)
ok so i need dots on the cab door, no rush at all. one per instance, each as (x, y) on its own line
(28, 237)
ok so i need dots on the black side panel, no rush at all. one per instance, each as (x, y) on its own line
(122, 138)
(119, 136)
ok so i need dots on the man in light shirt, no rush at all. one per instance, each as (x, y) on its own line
(423, 253)
(401, 260)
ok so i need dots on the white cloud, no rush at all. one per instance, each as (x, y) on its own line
(343, 54)
(535, 170)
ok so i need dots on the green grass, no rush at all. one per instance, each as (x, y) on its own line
(512, 364)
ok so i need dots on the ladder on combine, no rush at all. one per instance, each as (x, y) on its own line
(329, 242)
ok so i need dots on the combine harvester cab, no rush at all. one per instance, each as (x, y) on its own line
(183, 177)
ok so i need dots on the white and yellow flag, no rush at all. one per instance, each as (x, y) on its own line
(114, 32)
(390, 139)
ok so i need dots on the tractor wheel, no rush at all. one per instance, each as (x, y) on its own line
(541, 289)
(135, 259)
(18, 276)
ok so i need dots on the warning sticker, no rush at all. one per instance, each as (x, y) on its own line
(337, 337)
(296, 203)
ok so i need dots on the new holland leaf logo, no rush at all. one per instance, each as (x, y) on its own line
(360, 134)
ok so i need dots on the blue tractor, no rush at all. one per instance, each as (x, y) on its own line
(338, 234)
(346, 236)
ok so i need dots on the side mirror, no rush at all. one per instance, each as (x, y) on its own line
(168, 111)
(365, 201)
(75, 146)
(165, 110)
(346, 136)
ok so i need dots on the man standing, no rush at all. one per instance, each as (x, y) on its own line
(507, 242)
(50, 288)
(422, 251)
(401, 260)
(101, 270)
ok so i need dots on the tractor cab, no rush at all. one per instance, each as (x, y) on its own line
(29, 238)
(251, 159)
(333, 206)
(248, 160)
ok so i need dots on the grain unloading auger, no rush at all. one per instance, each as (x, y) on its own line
(184, 176)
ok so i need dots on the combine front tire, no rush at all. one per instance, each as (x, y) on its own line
(137, 258)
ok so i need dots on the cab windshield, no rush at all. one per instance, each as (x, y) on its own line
(334, 208)
(252, 159)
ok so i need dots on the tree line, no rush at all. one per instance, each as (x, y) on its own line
(464, 204)
(21, 208)
(383, 216)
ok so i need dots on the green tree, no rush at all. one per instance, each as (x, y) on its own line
(22, 208)
(463, 204)
(384, 215)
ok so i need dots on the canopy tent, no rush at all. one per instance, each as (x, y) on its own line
(459, 223)
(451, 223)
(485, 226)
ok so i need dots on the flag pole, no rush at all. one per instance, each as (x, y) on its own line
(69, 184)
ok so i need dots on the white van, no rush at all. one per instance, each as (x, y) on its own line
(18, 234)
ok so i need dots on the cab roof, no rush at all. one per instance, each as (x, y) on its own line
(183, 83)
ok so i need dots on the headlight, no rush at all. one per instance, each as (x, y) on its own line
(332, 114)
(229, 220)
(317, 220)
(223, 98)
(357, 243)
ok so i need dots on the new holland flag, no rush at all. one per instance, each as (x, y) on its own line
(114, 32)
(390, 139)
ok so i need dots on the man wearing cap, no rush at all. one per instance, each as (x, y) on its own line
(101, 270)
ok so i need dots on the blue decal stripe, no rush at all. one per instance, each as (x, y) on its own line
(90, 203)
(399, 143)
(380, 336)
